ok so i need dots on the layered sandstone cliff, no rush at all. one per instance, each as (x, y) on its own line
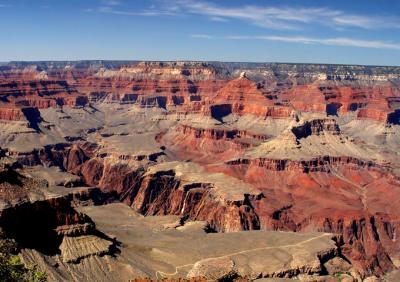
(239, 146)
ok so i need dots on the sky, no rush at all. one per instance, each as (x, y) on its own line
(299, 31)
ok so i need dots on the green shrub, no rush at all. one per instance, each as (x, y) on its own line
(11, 267)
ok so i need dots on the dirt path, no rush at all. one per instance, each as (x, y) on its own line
(362, 190)
(160, 274)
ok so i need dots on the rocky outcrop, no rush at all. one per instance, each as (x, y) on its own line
(54, 227)
(159, 193)
(366, 238)
(73, 249)
(219, 269)
(162, 70)
(11, 114)
(374, 114)
(34, 225)
(316, 127)
(68, 157)
(14, 186)
(218, 133)
(367, 231)
(321, 164)
(242, 96)
(163, 193)
(92, 171)
(304, 263)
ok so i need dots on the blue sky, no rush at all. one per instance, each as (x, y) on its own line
(310, 31)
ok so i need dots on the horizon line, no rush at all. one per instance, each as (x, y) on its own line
(196, 61)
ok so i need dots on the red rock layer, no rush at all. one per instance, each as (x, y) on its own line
(190, 88)
(208, 145)
(11, 114)
(217, 133)
(159, 193)
(351, 203)
(242, 96)
(373, 102)
(317, 164)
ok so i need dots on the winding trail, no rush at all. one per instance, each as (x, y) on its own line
(160, 274)
(362, 190)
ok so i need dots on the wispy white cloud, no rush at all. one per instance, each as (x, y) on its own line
(285, 17)
(218, 19)
(118, 7)
(337, 41)
(144, 13)
(269, 17)
(266, 16)
(360, 43)
(111, 2)
(367, 22)
(201, 36)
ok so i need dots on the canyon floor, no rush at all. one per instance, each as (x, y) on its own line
(160, 247)
(111, 171)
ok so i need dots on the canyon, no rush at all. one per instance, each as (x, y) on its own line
(201, 170)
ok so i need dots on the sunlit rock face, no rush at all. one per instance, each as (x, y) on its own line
(239, 146)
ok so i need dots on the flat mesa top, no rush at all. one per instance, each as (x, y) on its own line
(225, 187)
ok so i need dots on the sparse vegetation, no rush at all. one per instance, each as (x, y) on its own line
(341, 275)
(12, 268)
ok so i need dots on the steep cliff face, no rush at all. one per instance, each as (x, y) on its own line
(163, 193)
(9, 114)
(160, 70)
(368, 236)
(293, 186)
(367, 241)
(322, 164)
(52, 230)
(243, 96)
(39, 93)
(316, 127)
(41, 225)
(240, 146)
(218, 133)
(66, 156)
(203, 87)
(371, 102)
